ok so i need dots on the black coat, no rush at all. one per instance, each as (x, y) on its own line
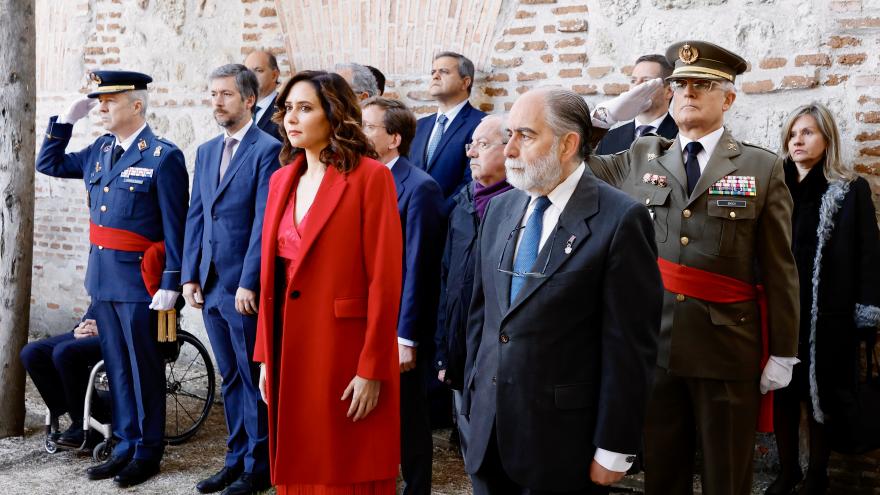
(847, 280)
(456, 287)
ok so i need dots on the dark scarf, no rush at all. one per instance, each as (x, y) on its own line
(482, 194)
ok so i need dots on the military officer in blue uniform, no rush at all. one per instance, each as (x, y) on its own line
(137, 187)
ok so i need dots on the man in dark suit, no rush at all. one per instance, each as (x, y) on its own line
(559, 362)
(390, 126)
(221, 268)
(655, 119)
(265, 66)
(438, 146)
(137, 193)
(360, 78)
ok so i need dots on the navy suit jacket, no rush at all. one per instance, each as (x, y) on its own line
(621, 138)
(145, 193)
(266, 125)
(449, 164)
(225, 221)
(420, 204)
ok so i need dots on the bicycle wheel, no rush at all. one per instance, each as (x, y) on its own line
(189, 389)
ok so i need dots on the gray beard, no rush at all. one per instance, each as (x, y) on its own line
(538, 177)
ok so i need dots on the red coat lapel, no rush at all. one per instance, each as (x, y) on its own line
(329, 193)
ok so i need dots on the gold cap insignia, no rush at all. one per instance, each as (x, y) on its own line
(142, 145)
(688, 54)
(95, 77)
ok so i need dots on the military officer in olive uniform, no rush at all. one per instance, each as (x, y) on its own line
(137, 187)
(722, 221)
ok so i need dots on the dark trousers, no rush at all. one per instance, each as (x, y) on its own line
(416, 445)
(136, 370)
(491, 479)
(60, 367)
(722, 415)
(232, 337)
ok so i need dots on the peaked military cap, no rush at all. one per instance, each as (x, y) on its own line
(117, 81)
(703, 60)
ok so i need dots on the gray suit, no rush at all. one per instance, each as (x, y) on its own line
(567, 367)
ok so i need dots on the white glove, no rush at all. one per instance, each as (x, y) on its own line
(777, 373)
(77, 110)
(164, 300)
(626, 106)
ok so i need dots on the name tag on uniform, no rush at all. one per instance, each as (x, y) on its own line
(732, 203)
(137, 172)
(734, 185)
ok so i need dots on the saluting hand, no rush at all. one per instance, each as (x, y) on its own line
(364, 397)
(246, 301)
(78, 109)
(192, 294)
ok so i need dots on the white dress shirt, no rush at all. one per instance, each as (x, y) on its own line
(450, 116)
(265, 104)
(654, 123)
(709, 142)
(391, 163)
(559, 197)
(130, 139)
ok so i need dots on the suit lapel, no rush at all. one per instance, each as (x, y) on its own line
(505, 246)
(671, 160)
(212, 167)
(131, 156)
(329, 193)
(245, 148)
(572, 228)
(275, 209)
(400, 172)
(718, 166)
(449, 131)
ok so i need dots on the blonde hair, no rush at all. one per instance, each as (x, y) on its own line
(833, 168)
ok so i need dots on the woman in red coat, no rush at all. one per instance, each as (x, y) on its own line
(330, 293)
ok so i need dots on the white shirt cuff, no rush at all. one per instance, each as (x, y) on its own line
(788, 362)
(407, 342)
(613, 461)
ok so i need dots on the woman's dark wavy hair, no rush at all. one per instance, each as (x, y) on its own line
(347, 141)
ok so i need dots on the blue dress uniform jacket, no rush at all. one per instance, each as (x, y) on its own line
(449, 164)
(145, 193)
(225, 219)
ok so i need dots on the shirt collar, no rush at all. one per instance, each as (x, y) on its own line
(560, 194)
(239, 135)
(452, 112)
(128, 142)
(654, 123)
(267, 101)
(390, 164)
(709, 141)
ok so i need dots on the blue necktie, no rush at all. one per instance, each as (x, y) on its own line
(644, 129)
(528, 246)
(692, 166)
(435, 139)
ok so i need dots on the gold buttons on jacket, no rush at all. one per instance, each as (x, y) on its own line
(103, 207)
(686, 213)
(679, 297)
(106, 189)
(733, 214)
(685, 241)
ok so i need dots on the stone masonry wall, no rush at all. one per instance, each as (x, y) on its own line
(798, 50)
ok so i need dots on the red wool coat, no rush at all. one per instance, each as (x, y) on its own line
(340, 318)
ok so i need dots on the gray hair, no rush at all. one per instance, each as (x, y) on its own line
(142, 95)
(502, 124)
(245, 81)
(465, 66)
(362, 78)
(568, 112)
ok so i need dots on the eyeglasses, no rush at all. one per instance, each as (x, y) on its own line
(372, 127)
(480, 146)
(526, 274)
(699, 85)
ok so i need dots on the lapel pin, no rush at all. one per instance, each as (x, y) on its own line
(142, 145)
(157, 151)
(568, 244)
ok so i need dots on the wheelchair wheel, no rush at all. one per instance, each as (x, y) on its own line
(189, 388)
(102, 451)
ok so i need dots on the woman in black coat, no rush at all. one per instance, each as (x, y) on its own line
(836, 245)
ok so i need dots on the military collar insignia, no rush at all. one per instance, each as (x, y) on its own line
(731, 145)
(657, 180)
(142, 145)
(688, 54)
(106, 149)
(651, 156)
(97, 166)
(158, 151)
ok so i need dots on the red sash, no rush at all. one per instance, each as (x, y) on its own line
(712, 287)
(153, 262)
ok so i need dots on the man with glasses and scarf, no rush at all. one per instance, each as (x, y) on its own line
(721, 213)
(558, 361)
